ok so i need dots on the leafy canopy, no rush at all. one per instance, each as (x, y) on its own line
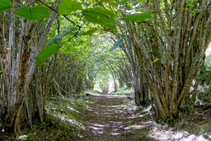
(96, 14)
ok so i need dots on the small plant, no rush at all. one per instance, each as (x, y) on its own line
(40, 125)
(25, 137)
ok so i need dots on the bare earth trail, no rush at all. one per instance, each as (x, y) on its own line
(114, 118)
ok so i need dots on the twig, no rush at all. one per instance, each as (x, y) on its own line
(63, 90)
(206, 106)
(58, 12)
(201, 113)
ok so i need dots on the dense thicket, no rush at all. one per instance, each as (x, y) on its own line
(168, 49)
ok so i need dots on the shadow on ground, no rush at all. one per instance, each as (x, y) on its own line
(115, 117)
(110, 117)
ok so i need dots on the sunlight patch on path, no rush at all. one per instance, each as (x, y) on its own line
(110, 117)
(169, 134)
(136, 127)
(114, 118)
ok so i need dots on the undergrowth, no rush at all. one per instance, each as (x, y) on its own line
(63, 121)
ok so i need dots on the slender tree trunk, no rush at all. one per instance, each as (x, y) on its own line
(20, 66)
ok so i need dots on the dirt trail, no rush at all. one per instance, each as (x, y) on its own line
(114, 118)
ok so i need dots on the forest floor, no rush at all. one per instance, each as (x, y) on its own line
(113, 117)
(116, 118)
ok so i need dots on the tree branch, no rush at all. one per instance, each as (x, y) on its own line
(58, 13)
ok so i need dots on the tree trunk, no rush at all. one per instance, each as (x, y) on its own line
(20, 66)
(170, 52)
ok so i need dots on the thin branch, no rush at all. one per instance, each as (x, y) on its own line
(58, 12)
(201, 114)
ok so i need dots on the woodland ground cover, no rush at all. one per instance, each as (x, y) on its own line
(112, 117)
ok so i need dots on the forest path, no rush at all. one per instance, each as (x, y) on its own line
(114, 118)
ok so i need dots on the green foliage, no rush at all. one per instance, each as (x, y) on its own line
(11, 134)
(190, 1)
(5, 5)
(206, 71)
(89, 32)
(69, 6)
(46, 52)
(205, 77)
(207, 63)
(155, 60)
(117, 44)
(24, 137)
(34, 13)
(40, 125)
(100, 16)
(50, 48)
(204, 97)
(57, 39)
(137, 17)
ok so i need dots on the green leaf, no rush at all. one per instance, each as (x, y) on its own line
(190, 1)
(46, 53)
(57, 39)
(142, 33)
(50, 48)
(89, 32)
(5, 5)
(68, 6)
(100, 16)
(137, 17)
(34, 13)
(117, 44)
(156, 59)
